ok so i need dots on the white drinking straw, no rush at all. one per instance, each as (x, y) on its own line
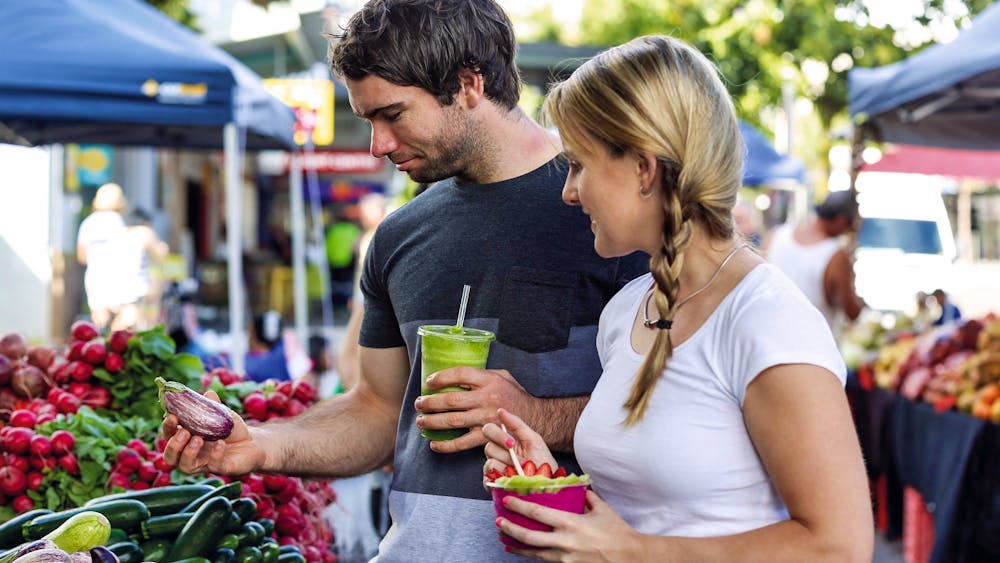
(461, 310)
(513, 456)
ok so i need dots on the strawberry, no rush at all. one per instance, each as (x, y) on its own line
(493, 474)
(529, 468)
(509, 471)
(560, 472)
(544, 470)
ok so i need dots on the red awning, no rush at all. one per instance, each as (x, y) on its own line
(945, 162)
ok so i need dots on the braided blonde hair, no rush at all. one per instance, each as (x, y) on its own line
(658, 95)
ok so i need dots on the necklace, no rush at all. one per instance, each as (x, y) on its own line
(668, 324)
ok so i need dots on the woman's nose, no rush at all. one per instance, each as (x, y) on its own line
(569, 195)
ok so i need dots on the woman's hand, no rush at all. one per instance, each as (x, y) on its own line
(597, 535)
(527, 444)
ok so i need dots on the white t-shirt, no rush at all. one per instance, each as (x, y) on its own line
(806, 266)
(105, 237)
(689, 467)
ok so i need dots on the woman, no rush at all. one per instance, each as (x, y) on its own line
(719, 430)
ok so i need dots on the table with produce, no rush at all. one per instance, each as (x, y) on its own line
(82, 475)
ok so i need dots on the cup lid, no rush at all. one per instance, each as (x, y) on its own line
(450, 331)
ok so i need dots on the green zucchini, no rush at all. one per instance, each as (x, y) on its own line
(224, 555)
(127, 552)
(246, 508)
(290, 549)
(235, 523)
(203, 531)
(291, 557)
(268, 525)
(212, 482)
(230, 541)
(232, 491)
(10, 531)
(155, 549)
(248, 554)
(269, 552)
(159, 500)
(117, 535)
(192, 560)
(125, 514)
(166, 526)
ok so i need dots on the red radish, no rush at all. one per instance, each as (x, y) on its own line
(13, 345)
(76, 350)
(286, 387)
(18, 462)
(29, 381)
(294, 408)
(138, 446)
(256, 405)
(17, 440)
(113, 362)
(118, 341)
(162, 479)
(22, 418)
(305, 392)
(41, 357)
(83, 330)
(34, 480)
(6, 370)
(129, 458)
(94, 352)
(46, 417)
(292, 488)
(23, 504)
(147, 472)
(42, 463)
(68, 403)
(97, 398)
(13, 481)
(62, 442)
(60, 375)
(119, 480)
(274, 482)
(140, 486)
(161, 444)
(40, 446)
(162, 465)
(78, 389)
(68, 462)
(277, 401)
(81, 371)
(256, 484)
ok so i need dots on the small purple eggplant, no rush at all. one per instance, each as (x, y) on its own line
(27, 548)
(80, 557)
(101, 554)
(197, 414)
(52, 555)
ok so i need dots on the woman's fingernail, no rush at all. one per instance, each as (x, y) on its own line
(505, 500)
(507, 549)
(509, 443)
(499, 520)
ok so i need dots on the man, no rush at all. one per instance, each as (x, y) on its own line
(436, 80)
(813, 257)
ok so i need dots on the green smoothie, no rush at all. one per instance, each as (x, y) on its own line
(442, 347)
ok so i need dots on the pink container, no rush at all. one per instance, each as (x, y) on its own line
(570, 498)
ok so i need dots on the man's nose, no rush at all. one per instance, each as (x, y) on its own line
(383, 141)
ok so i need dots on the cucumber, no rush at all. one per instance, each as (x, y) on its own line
(231, 491)
(248, 554)
(155, 549)
(224, 555)
(291, 557)
(230, 541)
(203, 531)
(246, 508)
(125, 514)
(234, 523)
(268, 525)
(117, 535)
(212, 482)
(127, 552)
(160, 500)
(269, 552)
(290, 549)
(250, 534)
(10, 531)
(193, 560)
(166, 526)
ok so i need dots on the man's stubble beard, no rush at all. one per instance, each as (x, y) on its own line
(457, 154)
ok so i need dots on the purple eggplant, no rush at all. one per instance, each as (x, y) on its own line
(51, 555)
(27, 548)
(197, 414)
(80, 557)
(101, 554)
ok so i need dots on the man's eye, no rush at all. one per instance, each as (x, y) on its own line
(393, 116)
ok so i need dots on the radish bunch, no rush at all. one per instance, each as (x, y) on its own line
(279, 400)
(26, 457)
(296, 506)
(138, 467)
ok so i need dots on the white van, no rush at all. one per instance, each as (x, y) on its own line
(906, 244)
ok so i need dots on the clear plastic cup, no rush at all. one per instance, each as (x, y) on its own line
(446, 346)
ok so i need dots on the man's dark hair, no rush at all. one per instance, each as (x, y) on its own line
(425, 43)
(838, 204)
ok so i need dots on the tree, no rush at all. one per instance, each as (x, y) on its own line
(179, 10)
(760, 44)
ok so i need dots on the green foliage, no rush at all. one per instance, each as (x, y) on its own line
(179, 10)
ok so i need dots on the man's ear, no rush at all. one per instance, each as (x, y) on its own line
(470, 88)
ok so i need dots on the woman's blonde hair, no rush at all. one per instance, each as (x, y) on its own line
(659, 95)
(109, 197)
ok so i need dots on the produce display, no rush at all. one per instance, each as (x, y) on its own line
(79, 443)
(955, 366)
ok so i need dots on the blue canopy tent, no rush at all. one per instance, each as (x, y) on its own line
(947, 95)
(121, 72)
(763, 164)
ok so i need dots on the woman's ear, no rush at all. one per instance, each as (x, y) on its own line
(648, 169)
(470, 88)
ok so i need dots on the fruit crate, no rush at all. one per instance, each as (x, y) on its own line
(918, 528)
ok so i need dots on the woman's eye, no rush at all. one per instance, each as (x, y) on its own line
(574, 166)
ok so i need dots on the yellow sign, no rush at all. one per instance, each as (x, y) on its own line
(312, 101)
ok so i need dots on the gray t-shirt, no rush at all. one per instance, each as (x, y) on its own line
(536, 282)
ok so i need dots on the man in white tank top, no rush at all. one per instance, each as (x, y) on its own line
(813, 257)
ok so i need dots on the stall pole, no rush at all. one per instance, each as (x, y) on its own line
(298, 247)
(237, 345)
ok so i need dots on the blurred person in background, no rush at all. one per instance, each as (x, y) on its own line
(814, 257)
(99, 244)
(142, 246)
(747, 222)
(266, 357)
(950, 312)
